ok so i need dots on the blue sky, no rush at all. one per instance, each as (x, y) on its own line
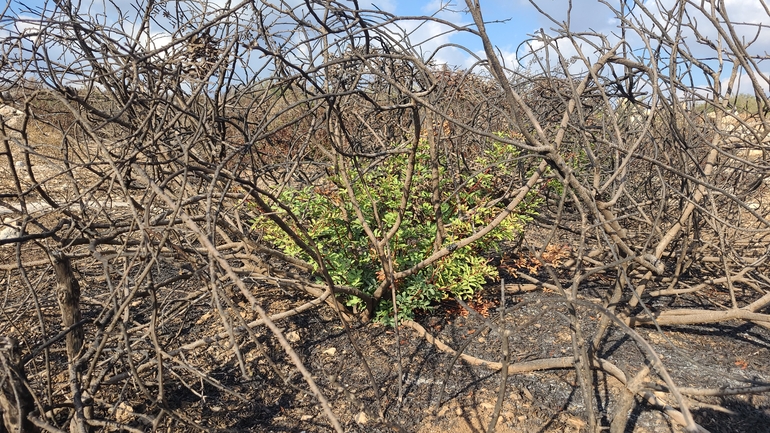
(591, 15)
(520, 17)
(514, 20)
(517, 19)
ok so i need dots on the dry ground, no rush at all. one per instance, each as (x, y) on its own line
(439, 394)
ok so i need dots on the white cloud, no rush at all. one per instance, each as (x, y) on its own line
(745, 16)
(424, 37)
(745, 83)
(159, 40)
(592, 17)
(26, 25)
(746, 11)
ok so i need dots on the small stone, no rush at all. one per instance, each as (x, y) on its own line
(482, 340)
(216, 408)
(458, 411)
(306, 417)
(521, 418)
(124, 413)
(656, 338)
(292, 336)
(330, 351)
(9, 229)
(361, 418)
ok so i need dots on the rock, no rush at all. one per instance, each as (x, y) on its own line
(293, 336)
(330, 351)
(9, 229)
(11, 116)
(361, 418)
(656, 338)
(306, 417)
(8, 112)
(124, 413)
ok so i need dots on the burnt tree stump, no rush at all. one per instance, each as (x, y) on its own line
(68, 295)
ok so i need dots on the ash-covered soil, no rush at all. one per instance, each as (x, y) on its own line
(358, 366)
(440, 394)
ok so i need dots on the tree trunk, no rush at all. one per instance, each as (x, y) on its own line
(68, 294)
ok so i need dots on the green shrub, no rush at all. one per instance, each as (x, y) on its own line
(467, 205)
